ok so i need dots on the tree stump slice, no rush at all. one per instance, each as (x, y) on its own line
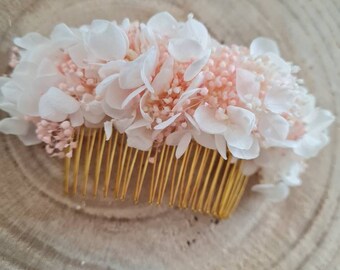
(42, 229)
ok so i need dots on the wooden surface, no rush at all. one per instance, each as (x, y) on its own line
(41, 229)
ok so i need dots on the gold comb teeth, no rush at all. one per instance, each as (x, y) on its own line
(200, 180)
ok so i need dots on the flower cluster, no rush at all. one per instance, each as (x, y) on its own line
(166, 82)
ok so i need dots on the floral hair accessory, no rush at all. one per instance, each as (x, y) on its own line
(164, 87)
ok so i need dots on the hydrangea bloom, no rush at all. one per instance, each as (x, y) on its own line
(166, 82)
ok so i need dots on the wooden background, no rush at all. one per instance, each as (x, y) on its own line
(41, 229)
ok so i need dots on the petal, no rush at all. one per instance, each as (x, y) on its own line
(140, 138)
(175, 137)
(30, 138)
(162, 23)
(185, 96)
(247, 86)
(55, 105)
(249, 167)
(105, 84)
(148, 68)
(30, 41)
(108, 129)
(310, 144)
(206, 140)
(195, 67)
(262, 45)
(164, 77)
(132, 95)
(123, 124)
(110, 68)
(106, 40)
(278, 100)
(251, 153)
(142, 102)
(273, 192)
(184, 50)
(236, 137)
(78, 55)
(77, 119)
(281, 64)
(243, 118)
(64, 36)
(183, 145)
(168, 122)
(205, 118)
(192, 122)
(14, 125)
(221, 146)
(197, 81)
(130, 73)
(115, 95)
(273, 126)
(195, 30)
(11, 91)
(319, 120)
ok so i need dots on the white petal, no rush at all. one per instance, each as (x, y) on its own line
(108, 129)
(251, 153)
(197, 81)
(195, 67)
(183, 145)
(249, 167)
(115, 95)
(104, 84)
(261, 45)
(206, 140)
(184, 50)
(247, 86)
(278, 100)
(78, 55)
(319, 120)
(274, 192)
(110, 68)
(11, 91)
(195, 30)
(205, 118)
(28, 103)
(30, 138)
(185, 96)
(133, 95)
(55, 105)
(221, 146)
(107, 42)
(168, 122)
(162, 23)
(192, 122)
(148, 68)
(175, 137)
(64, 36)
(130, 73)
(281, 64)
(140, 139)
(14, 125)
(122, 124)
(77, 119)
(164, 77)
(310, 144)
(30, 41)
(142, 102)
(243, 118)
(273, 126)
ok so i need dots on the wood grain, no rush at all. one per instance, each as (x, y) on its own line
(41, 229)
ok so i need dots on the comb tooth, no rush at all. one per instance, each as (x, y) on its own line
(194, 193)
(222, 186)
(206, 181)
(91, 139)
(180, 176)
(131, 168)
(125, 170)
(163, 170)
(141, 181)
(100, 152)
(183, 178)
(191, 175)
(166, 177)
(139, 176)
(110, 157)
(172, 189)
(227, 190)
(154, 167)
(67, 170)
(80, 137)
(160, 165)
(120, 161)
(243, 185)
(235, 190)
(207, 205)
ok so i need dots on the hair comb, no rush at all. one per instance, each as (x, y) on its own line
(163, 109)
